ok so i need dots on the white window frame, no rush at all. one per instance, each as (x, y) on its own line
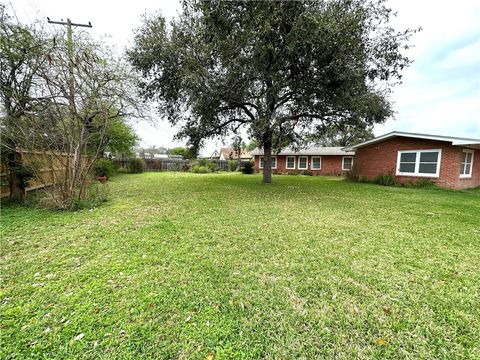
(417, 163)
(343, 162)
(260, 162)
(286, 163)
(464, 152)
(306, 163)
(311, 163)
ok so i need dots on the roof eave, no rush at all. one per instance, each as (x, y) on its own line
(452, 140)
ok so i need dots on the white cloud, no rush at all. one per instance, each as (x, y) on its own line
(465, 56)
(440, 92)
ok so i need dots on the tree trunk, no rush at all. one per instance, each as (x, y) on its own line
(268, 134)
(267, 158)
(17, 192)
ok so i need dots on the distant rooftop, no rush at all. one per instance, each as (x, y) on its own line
(229, 153)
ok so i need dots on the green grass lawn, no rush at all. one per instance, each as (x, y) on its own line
(220, 266)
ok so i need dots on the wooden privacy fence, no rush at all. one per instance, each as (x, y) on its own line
(157, 164)
(48, 167)
(169, 164)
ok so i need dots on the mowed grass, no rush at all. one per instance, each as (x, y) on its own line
(219, 266)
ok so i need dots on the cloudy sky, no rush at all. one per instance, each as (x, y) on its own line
(440, 93)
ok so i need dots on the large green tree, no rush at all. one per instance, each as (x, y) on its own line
(285, 70)
(345, 135)
(115, 135)
(186, 152)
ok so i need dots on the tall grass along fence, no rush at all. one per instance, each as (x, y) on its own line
(49, 167)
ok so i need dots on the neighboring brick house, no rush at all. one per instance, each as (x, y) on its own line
(450, 162)
(315, 160)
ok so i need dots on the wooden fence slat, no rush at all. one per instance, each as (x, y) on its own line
(47, 176)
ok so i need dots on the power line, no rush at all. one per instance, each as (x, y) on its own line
(39, 12)
(14, 12)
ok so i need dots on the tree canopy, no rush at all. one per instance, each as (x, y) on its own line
(345, 136)
(117, 137)
(186, 152)
(285, 70)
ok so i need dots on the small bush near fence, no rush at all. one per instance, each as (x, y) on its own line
(186, 166)
(247, 167)
(197, 169)
(232, 165)
(209, 164)
(97, 194)
(104, 167)
(136, 166)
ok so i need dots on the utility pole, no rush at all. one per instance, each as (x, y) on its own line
(71, 79)
(71, 98)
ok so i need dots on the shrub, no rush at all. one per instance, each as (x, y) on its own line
(247, 167)
(136, 166)
(96, 193)
(422, 183)
(186, 167)
(211, 166)
(197, 169)
(306, 173)
(104, 167)
(362, 179)
(386, 180)
(208, 164)
(232, 165)
(202, 162)
(351, 175)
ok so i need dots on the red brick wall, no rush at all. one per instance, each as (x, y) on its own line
(381, 159)
(330, 165)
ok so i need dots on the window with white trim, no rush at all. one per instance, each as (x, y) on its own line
(290, 162)
(467, 164)
(316, 163)
(273, 161)
(347, 163)
(424, 163)
(302, 162)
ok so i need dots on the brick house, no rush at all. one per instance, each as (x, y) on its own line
(450, 162)
(315, 160)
